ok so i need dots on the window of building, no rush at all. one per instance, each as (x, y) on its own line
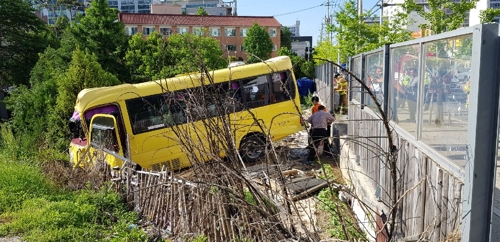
(215, 32)
(131, 30)
(148, 30)
(166, 31)
(182, 30)
(272, 32)
(275, 47)
(230, 31)
(197, 31)
(242, 48)
(231, 47)
(243, 32)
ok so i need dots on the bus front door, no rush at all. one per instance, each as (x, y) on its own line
(105, 141)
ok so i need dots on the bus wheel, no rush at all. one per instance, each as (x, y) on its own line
(252, 148)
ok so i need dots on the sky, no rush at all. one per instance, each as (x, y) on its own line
(310, 14)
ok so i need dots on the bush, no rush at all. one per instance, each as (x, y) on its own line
(34, 208)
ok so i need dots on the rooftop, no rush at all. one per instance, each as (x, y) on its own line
(197, 20)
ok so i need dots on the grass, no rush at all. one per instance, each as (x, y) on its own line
(330, 204)
(36, 209)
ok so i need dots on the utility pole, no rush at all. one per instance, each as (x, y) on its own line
(381, 12)
(360, 10)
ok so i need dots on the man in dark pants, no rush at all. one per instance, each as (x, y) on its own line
(319, 123)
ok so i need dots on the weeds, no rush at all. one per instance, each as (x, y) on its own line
(38, 210)
(329, 203)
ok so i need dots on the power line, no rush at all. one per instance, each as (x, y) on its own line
(298, 11)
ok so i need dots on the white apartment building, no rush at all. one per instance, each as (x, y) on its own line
(483, 5)
(392, 7)
(131, 6)
(212, 7)
(51, 10)
(294, 29)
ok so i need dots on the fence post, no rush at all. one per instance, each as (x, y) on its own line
(482, 135)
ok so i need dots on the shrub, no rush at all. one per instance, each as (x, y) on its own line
(36, 209)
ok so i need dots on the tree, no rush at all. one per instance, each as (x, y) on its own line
(158, 58)
(71, 6)
(437, 15)
(301, 67)
(325, 50)
(258, 44)
(286, 38)
(201, 11)
(84, 72)
(62, 23)
(146, 59)
(101, 33)
(394, 30)
(488, 15)
(353, 35)
(22, 36)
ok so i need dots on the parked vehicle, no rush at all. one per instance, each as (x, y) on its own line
(140, 121)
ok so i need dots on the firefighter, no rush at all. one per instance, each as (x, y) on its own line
(342, 90)
(466, 88)
(405, 82)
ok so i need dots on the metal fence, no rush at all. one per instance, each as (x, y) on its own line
(441, 94)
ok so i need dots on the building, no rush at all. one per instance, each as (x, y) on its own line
(482, 5)
(230, 31)
(392, 7)
(51, 10)
(212, 7)
(131, 6)
(294, 29)
(300, 44)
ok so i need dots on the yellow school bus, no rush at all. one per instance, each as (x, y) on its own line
(150, 123)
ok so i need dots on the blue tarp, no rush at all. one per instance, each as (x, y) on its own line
(306, 86)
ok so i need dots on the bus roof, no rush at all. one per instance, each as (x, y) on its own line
(93, 97)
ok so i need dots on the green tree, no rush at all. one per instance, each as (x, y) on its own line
(101, 33)
(161, 58)
(187, 52)
(147, 59)
(352, 34)
(286, 38)
(394, 30)
(62, 23)
(201, 11)
(258, 44)
(84, 72)
(31, 106)
(437, 14)
(71, 6)
(301, 67)
(325, 50)
(488, 15)
(22, 36)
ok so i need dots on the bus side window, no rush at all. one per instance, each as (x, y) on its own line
(256, 91)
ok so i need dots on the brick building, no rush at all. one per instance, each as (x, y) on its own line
(230, 31)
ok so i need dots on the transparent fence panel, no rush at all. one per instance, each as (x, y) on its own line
(404, 76)
(445, 94)
(374, 78)
(356, 88)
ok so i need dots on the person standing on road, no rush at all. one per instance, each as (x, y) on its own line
(342, 89)
(316, 104)
(319, 132)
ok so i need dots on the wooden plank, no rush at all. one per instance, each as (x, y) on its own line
(421, 196)
(439, 195)
(304, 185)
(444, 206)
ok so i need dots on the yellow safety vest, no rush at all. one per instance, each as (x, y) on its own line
(342, 86)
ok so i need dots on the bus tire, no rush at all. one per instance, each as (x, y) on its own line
(252, 148)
